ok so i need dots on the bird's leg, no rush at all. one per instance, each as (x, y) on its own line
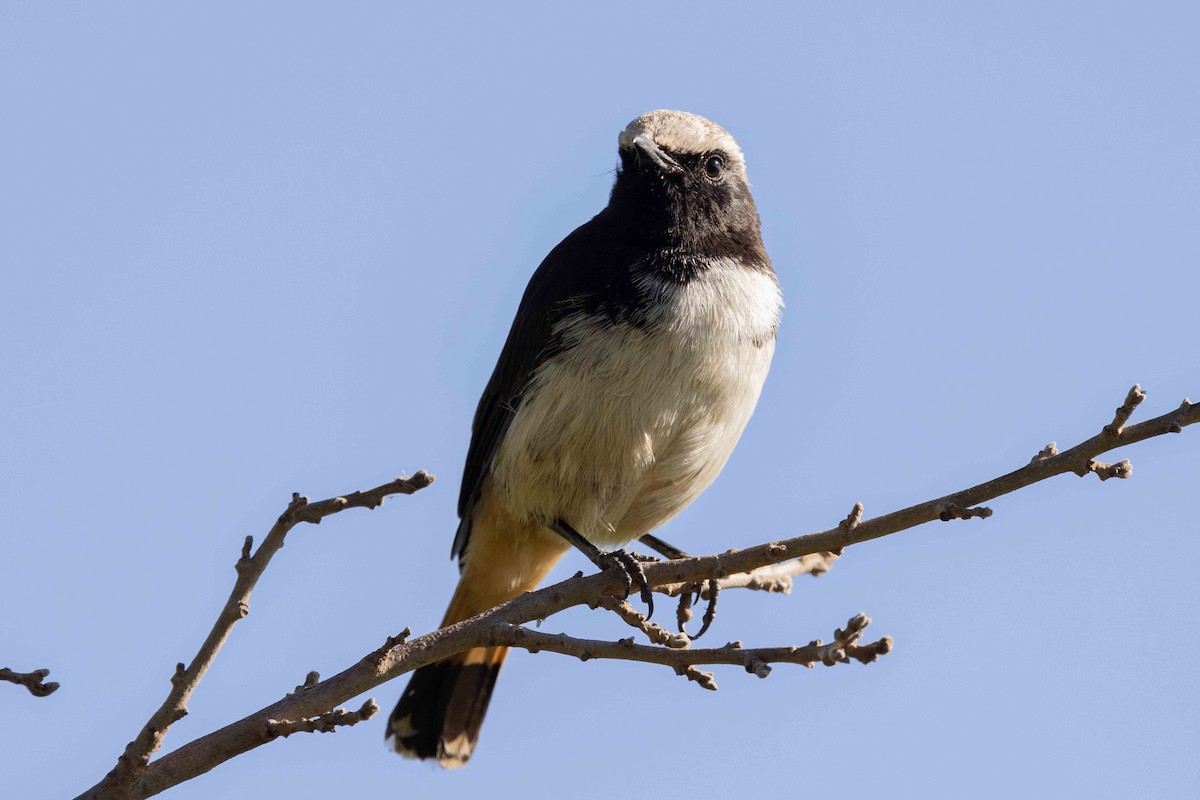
(666, 550)
(684, 612)
(631, 571)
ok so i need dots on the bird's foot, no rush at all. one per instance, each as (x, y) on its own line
(692, 594)
(630, 568)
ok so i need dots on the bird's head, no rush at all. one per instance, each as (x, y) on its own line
(682, 183)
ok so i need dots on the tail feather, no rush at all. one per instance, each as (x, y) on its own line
(441, 711)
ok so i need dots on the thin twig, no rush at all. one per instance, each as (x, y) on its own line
(842, 649)
(249, 568)
(328, 722)
(30, 680)
(954, 511)
(1132, 401)
(634, 618)
(775, 578)
(1121, 469)
(1078, 459)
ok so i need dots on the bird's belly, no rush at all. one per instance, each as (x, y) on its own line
(629, 425)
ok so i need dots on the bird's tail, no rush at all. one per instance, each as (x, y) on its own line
(442, 708)
(441, 711)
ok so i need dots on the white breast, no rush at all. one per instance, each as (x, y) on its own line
(628, 425)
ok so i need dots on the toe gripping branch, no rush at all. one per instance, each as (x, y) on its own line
(683, 614)
(620, 560)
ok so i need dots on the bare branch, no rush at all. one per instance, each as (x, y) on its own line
(325, 723)
(1132, 400)
(843, 649)
(1121, 469)
(30, 680)
(1077, 459)
(399, 657)
(775, 578)
(953, 511)
(631, 616)
(249, 569)
(300, 510)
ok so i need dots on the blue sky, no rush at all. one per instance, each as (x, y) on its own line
(251, 250)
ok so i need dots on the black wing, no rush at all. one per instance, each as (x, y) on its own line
(588, 271)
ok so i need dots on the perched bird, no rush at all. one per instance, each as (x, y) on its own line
(634, 362)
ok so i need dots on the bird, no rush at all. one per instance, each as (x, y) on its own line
(636, 358)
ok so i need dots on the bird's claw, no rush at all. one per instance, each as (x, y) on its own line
(684, 613)
(630, 569)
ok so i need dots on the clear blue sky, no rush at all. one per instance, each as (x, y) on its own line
(250, 250)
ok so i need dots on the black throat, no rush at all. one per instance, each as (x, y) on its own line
(683, 221)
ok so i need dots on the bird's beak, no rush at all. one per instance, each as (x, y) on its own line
(647, 152)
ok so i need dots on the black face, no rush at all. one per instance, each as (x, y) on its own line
(701, 210)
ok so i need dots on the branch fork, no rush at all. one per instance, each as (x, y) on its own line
(769, 566)
(128, 777)
(33, 681)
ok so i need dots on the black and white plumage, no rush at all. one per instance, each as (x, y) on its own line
(633, 364)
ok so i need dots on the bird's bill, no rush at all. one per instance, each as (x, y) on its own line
(647, 152)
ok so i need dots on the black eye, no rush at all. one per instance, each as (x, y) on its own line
(714, 166)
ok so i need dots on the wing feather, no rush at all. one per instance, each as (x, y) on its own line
(589, 270)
